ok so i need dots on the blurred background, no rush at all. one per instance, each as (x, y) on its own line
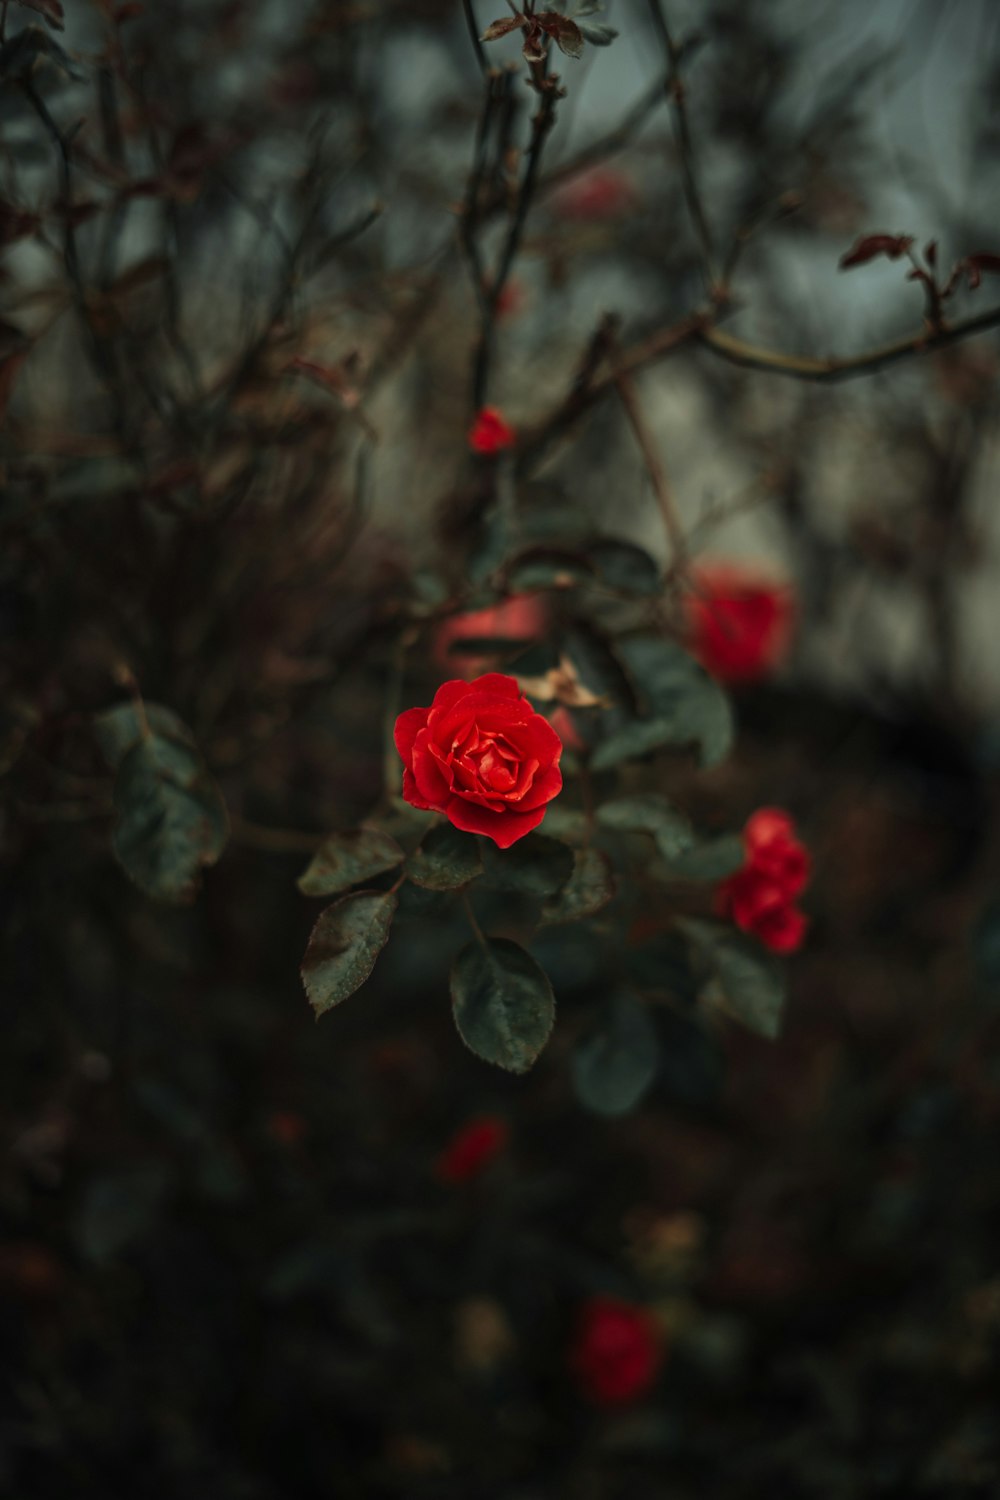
(251, 1256)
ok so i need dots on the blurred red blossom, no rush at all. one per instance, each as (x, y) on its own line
(617, 1352)
(490, 432)
(760, 897)
(472, 1148)
(600, 193)
(739, 623)
(522, 617)
(481, 755)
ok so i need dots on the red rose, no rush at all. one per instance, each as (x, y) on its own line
(617, 1352)
(522, 617)
(482, 756)
(471, 1149)
(739, 625)
(490, 433)
(760, 897)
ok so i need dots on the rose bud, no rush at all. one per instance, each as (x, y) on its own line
(490, 433)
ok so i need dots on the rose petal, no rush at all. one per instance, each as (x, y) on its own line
(427, 772)
(408, 726)
(504, 828)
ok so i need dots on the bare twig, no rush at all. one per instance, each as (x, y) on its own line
(804, 367)
(626, 388)
(685, 146)
(541, 124)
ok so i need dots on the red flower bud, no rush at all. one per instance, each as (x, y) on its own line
(617, 1352)
(490, 432)
(472, 1149)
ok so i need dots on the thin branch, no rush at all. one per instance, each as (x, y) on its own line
(583, 395)
(803, 367)
(626, 388)
(542, 123)
(685, 146)
(470, 21)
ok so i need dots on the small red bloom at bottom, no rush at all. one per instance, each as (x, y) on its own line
(472, 1148)
(617, 1353)
(490, 432)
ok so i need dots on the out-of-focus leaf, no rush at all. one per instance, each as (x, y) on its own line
(119, 729)
(503, 1003)
(649, 812)
(345, 942)
(685, 704)
(590, 887)
(169, 821)
(118, 1211)
(711, 861)
(742, 980)
(614, 1067)
(346, 859)
(625, 567)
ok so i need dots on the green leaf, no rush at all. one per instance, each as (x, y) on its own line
(503, 1003)
(120, 728)
(346, 859)
(625, 567)
(713, 860)
(677, 691)
(446, 860)
(651, 813)
(590, 887)
(170, 820)
(744, 981)
(535, 866)
(565, 822)
(345, 942)
(635, 740)
(614, 1067)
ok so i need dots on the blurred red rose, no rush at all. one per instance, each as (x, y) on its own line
(522, 617)
(490, 432)
(760, 897)
(600, 193)
(739, 625)
(472, 1149)
(481, 755)
(617, 1353)
(773, 849)
(562, 722)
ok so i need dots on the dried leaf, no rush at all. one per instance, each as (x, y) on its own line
(500, 28)
(872, 245)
